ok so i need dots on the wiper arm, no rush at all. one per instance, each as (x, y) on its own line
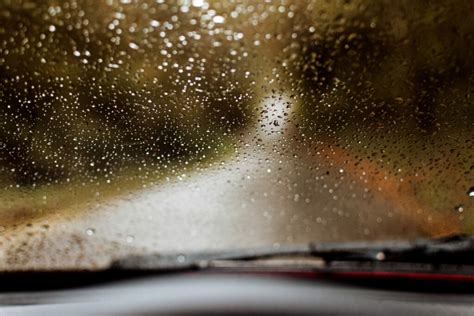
(427, 253)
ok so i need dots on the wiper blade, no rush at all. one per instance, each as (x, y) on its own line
(454, 249)
(206, 259)
(426, 254)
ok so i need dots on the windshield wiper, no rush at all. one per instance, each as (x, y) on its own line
(449, 258)
(454, 252)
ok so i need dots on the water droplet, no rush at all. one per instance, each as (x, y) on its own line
(470, 192)
(181, 258)
(133, 45)
(218, 19)
(459, 208)
(90, 231)
(380, 256)
(198, 3)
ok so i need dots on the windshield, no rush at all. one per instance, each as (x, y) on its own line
(134, 127)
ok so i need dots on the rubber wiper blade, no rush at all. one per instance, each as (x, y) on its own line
(204, 259)
(455, 249)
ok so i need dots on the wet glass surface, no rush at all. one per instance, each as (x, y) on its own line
(145, 126)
